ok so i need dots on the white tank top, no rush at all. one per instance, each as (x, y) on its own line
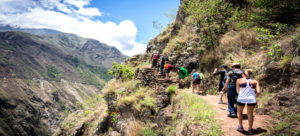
(247, 94)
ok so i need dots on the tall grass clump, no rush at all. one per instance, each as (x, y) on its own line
(200, 112)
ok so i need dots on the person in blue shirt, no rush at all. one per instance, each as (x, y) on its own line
(196, 80)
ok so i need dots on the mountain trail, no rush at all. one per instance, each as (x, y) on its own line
(229, 125)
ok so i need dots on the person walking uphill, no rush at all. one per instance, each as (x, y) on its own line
(246, 96)
(167, 69)
(163, 60)
(223, 77)
(154, 58)
(182, 72)
(196, 80)
(233, 76)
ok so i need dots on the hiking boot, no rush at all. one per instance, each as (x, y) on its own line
(220, 102)
(240, 128)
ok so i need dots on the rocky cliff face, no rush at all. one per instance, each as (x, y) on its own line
(44, 78)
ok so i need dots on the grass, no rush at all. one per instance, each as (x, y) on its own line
(264, 98)
(284, 120)
(171, 89)
(148, 101)
(201, 112)
(285, 60)
(146, 131)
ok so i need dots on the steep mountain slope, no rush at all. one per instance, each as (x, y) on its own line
(43, 78)
(91, 51)
(258, 34)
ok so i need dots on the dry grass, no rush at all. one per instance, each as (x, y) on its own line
(133, 128)
(246, 39)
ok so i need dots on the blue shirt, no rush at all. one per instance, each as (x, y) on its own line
(195, 75)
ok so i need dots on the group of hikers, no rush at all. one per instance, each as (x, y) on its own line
(241, 89)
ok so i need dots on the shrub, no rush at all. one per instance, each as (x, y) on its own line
(285, 61)
(146, 131)
(53, 73)
(122, 72)
(171, 89)
(275, 52)
(148, 101)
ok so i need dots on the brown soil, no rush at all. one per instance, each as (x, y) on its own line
(229, 125)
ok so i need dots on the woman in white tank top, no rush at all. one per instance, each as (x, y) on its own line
(246, 96)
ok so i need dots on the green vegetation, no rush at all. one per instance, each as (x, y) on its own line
(146, 131)
(200, 111)
(5, 62)
(122, 72)
(264, 98)
(53, 73)
(6, 46)
(75, 61)
(171, 89)
(285, 120)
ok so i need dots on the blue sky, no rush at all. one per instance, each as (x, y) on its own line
(124, 24)
(141, 12)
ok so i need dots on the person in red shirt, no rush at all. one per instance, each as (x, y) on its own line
(167, 69)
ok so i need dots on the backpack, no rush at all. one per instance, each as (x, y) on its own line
(226, 75)
(236, 74)
(155, 56)
(165, 58)
(169, 67)
(199, 76)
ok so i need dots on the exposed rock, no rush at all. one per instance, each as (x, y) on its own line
(295, 64)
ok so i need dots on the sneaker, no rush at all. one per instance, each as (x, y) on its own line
(231, 115)
(250, 131)
(220, 102)
(240, 128)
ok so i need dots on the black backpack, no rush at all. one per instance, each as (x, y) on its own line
(226, 75)
(236, 74)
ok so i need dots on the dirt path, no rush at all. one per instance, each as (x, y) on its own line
(229, 125)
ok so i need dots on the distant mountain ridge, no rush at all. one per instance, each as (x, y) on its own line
(44, 77)
(43, 31)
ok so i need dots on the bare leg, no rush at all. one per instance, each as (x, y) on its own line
(193, 87)
(250, 115)
(167, 76)
(240, 114)
(198, 87)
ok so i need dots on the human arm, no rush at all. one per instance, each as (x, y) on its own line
(238, 86)
(215, 71)
(225, 88)
(258, 91)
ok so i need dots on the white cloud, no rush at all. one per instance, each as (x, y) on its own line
(54, 14)
(89, 12)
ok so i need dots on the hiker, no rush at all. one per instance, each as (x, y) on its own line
(246, 88)
(233, 76)
(182, 73)
(163, 60)
(148, 50)
(154, 58)
(196, 80)
(167, 69)
(223, 77)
